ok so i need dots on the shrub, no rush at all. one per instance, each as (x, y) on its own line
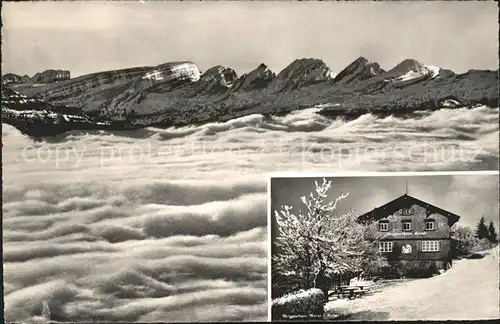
(420, 269)
(303, 303)
(412, 269)
(481, 245)
(464, 241)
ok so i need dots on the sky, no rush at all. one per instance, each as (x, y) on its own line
(469, 196)
(86, 37)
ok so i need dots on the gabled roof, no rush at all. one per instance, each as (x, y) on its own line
(396, 204)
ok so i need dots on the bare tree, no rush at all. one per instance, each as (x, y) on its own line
(315, 243)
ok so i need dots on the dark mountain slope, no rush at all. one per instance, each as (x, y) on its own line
(175, 94)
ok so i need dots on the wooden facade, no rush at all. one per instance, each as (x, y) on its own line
(411, 230)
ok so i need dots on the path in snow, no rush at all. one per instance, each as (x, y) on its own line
(469, 290)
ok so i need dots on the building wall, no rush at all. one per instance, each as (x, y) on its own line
(416, 235)
(416, 250)
(407, 257)
(418, 231)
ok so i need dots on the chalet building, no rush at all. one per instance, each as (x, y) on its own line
(413, 231)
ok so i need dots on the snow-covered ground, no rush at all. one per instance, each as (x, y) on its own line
(450, 103)
(469, 290)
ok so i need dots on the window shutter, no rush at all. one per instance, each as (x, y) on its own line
(389, 226)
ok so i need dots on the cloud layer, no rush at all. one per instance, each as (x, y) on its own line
(119, 252)
(174, 227)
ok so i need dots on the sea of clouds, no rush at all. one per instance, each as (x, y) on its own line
(170, 224)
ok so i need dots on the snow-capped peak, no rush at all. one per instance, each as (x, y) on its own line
(330, 74)
(434, 70)
(418, 72)
(184, 70)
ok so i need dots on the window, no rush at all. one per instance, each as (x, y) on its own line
(406, 226)
(385, 246)
(383, 227)
(406, 211)
(430, 246)
(429, 225)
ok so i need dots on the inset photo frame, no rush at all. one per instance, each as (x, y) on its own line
(383, 246)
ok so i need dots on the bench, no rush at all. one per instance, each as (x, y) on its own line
(350, 292)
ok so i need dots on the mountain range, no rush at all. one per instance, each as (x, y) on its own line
(46, 76)
(179, 94)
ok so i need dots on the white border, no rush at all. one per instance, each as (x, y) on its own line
(342, 174)
(269, 245)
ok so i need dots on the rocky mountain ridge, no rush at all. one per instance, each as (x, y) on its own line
(47, 76)
(178, 93)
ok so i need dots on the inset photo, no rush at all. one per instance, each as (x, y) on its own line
(384, 246)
